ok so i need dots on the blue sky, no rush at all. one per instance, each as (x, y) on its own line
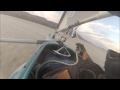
(113, 21)
(104, 33)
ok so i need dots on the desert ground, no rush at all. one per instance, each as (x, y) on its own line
(12, 55)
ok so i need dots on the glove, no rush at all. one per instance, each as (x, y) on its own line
(80, 48)
(82, 51)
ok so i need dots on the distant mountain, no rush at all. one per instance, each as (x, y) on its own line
(30, 17)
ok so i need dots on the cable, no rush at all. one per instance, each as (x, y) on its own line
(66, 35)
(57, 51)
(51, 61)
